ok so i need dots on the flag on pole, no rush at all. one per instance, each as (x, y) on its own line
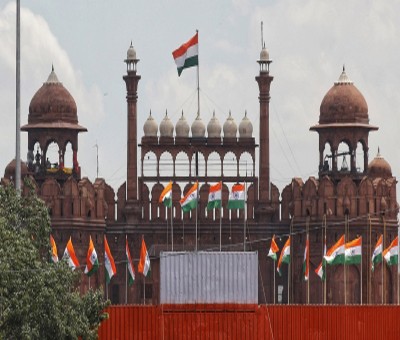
(214, 196)
(320, 271)
(284, 257)
(273, 249)
(391, 253)
(69, 255)
(335, 254)
(144, 262)
(306, 261)
(189, 202)
(129, 263)
(166, 196)
(236, 197)
(54, 255)
(187, 55)
(377, 254)
(92, 261)
(353, 251)
(109, 263)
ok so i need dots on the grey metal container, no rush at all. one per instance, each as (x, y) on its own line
(208, 277)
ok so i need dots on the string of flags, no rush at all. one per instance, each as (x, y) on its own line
(92, 261)
(349, 253)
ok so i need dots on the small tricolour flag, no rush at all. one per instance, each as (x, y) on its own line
(189, 202)
(166, 196)
(236, 197)
(353, 251)
(54, 255)
(92, 261)
(391, 253)
(306, 261)
(273, 249)
(214, 196)
(69, 255)
(129, 263)
(320, 271)
(109, 263)
(335, 254)
(187, 55)
(144, 262)
(377, 254)
(284, 257)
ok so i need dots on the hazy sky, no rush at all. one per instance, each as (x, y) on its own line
(309, 41)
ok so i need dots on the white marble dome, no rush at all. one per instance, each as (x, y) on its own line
(198, 127)
(150, 127)
(131, 53)
(245, 127)
(214, 127)
(230, 127)
(166, 127)
(182, 127)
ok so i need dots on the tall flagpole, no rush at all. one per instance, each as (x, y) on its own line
(197, 205)
(361, 293)
(198, 78)
(126, 272)
(274, 279)
(244, 217)
(172, 229)
(324, 252)
(383, 267)
(220, 223)
(346, 217)
(308, 259)
(370, 260)
(18, 103)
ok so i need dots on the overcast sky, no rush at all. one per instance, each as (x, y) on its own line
(309, 41)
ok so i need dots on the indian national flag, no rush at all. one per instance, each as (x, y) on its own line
(129, 263)
(69, 255)
(214, 196)
(92, 262)
(285, 256)
(273, 249)
(144, 262)
(320, 271)
(236, 197)
(54, 255)
(189, 202)
(187, 55)
(377, 254)
(335, 254)
(166, 196)
(109, 263)
(353, 251)
(306, 261)
(391, 253)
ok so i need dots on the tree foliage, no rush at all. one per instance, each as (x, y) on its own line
(39, 299)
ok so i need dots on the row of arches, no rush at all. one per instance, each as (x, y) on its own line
(181, 165)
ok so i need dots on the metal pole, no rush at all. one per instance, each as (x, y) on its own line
(18, 103)
(308, 259)
(274, 279)
(144, 289)
(324, 251)
(361, 293)
(344, 264)
(244, 218)
(383, 260)
(370, 261)
(126, 281)
(197, 205)
(172, 230)
(198, 79)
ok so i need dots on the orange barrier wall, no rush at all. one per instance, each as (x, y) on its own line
(251, 322)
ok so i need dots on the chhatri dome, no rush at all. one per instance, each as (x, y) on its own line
(198, 127)
(182, 127)
(214, 127)
(379, 167)
(230, 127)
(245, 127)
(343, 103)
(166, 127)
(150, 127)
(52, 106)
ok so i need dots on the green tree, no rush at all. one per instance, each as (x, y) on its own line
(39, 299)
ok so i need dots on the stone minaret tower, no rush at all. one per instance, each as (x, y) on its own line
(263, 209)
(131, 79)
